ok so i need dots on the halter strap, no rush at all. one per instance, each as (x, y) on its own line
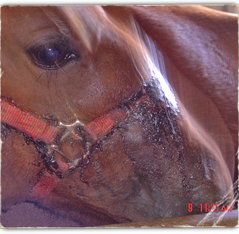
(37, 128)
(40, 130)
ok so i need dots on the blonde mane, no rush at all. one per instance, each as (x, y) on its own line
(92, 24)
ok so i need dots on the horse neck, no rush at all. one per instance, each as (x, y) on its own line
(202, 46)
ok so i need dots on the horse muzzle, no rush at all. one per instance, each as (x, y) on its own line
(65, 148)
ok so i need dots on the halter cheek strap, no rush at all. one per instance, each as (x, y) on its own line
(102, 125)
(38, 129)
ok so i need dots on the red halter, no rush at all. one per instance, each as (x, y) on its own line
(39, 129)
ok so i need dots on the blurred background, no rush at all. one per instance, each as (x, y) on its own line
(227, 8)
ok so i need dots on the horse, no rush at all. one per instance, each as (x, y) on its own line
(118, 114)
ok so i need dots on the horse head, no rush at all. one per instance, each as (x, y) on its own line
(118, 114)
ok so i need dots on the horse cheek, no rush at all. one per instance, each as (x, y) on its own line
(20, 167)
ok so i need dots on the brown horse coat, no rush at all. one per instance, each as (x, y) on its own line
(157, 161)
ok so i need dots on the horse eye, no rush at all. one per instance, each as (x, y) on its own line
(49, 54)
(52, 55)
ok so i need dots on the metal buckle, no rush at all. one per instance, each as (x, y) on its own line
(77, 131)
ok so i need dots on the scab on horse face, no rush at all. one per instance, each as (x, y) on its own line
(110, 146)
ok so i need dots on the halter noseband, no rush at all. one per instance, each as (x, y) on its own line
(46, 135)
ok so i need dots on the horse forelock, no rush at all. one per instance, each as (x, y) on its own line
(86, 23)
(92, 25)
(82, 21)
